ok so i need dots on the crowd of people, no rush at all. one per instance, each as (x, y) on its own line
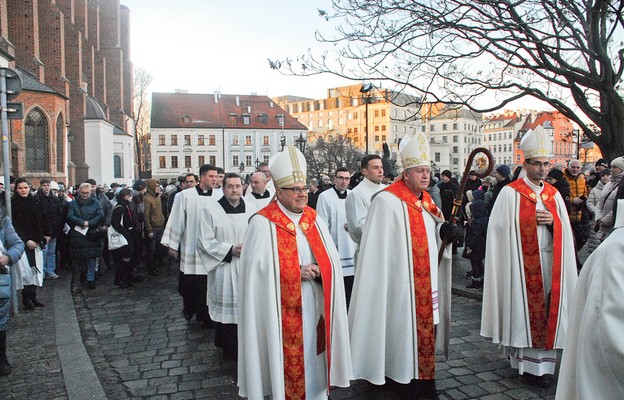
(309, 287)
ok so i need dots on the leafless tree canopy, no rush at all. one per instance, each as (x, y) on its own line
(568, 53)
(141, 115)
(330, 151)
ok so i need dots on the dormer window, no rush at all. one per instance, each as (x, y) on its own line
(280, 119)
(264, 119)
(233, 118)
(246, 119)
(187, 119)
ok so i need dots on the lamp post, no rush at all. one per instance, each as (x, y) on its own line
(301, 143)
(578, 142)
(365, 90)
(257, 163)
(283, 141)
(241, 167)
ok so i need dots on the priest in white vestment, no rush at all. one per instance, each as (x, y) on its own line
(292, 326)
(331, 207)
(359, 201)
(530, 268)
(593, 359)
(257, 193)
(222, 230)
(401, 294)
(180, 237)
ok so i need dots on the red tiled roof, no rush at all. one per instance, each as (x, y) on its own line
(193, 110)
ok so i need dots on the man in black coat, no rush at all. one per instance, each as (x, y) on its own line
(51, 208)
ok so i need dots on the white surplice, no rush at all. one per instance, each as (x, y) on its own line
(593, 359)
(505, 310)
(357, 205)
(182, 229)
(382, 312)
(332, 209)
(260, 203)
(218, 232)
(260, 354)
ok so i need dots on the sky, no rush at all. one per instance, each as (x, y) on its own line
(210, 45)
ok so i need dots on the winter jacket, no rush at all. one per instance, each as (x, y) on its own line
(154, 217)
(51, 208)
(79, 211)
(107, 206)
(593, 200)
(578, 190)
(122, 222)
(607, 203)
(27, 221)
(477, 217)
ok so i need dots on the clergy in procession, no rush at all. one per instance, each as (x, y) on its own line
(292, 326)
(221, 233)
(591, 365)
(258, 193)
(360, 197)
(180, 237)
(331, 207)
(400, 294)
(530, 268)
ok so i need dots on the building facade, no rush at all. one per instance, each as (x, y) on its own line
(74, 60)
(236, 132)
(367, 119)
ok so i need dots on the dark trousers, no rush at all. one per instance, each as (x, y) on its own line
(348, 286)
(193, 289)
(156, 252)
(415, 389)
(226, 337)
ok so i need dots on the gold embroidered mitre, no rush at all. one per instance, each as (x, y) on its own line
(288, 167)
(414, 150)
(535, 144)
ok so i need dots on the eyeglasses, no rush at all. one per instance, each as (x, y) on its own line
(539, 164)
(297, 190)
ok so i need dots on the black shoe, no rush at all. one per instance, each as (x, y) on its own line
(188, 315)
(37, 303)
(5, 367)
(91, 285)
(136, 278)
(475, 284)
(28, 304)
(543, 381)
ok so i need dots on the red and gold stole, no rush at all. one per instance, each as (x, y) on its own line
(422, 274)
(543, 322)
(290, 294)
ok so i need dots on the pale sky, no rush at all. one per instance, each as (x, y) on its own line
(208, 45)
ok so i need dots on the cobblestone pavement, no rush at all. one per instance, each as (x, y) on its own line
(142, 347)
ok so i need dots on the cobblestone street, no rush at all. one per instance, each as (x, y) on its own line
(141, 346)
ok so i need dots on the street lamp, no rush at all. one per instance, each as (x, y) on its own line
(301, 143)
(365, 90)
(257, 163)
(241, 167)
(283, 141)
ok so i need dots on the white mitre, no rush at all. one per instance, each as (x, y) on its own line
(288, 167)
(414, 150)
(619, 218)
(535, 144)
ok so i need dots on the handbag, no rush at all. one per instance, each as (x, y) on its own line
(5, 285)
(95, 233)
(115, 239)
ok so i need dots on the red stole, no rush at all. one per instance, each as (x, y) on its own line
(290, 294)
(422, 274)
(543, 322)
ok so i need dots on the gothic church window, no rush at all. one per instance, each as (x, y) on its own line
(37, 139)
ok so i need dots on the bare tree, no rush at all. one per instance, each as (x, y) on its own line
(141, 115)
(329, 151)
(567, 53)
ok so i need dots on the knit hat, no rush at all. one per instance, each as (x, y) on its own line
(604, 172)
(602, 163)
(618, 162)
(139, 185)
(503, 170)
(447, 173)
(556, 174)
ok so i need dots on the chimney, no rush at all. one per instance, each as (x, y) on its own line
(237, 101)
(216, 97)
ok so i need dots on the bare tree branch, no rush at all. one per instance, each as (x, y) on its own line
(567, 53)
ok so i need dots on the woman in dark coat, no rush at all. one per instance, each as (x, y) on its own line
(12, 250)
(27, 221)
(84, 212)
(123, 223)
